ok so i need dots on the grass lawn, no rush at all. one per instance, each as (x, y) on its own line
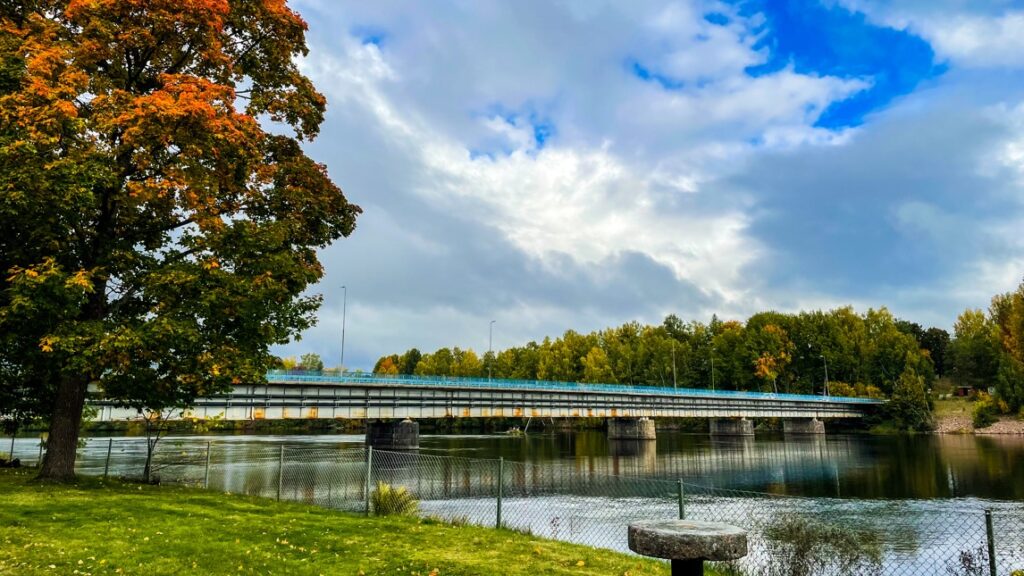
(113, 528)
(953, 407)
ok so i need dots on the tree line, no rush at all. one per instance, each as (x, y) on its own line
(873, 354)
(988, 350)
(860, 354)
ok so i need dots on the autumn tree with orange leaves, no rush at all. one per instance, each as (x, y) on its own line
(156, 238)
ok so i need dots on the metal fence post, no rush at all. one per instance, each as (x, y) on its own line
(501, 486)
(280, 473)
(369, 474)
(206, 475)
(682, 502)
(991, 542)
(106, 464)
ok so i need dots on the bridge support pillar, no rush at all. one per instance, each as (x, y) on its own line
(732, 427)
(631, 429)
(403, 435)
(803, 426)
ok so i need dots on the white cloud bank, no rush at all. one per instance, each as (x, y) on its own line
(622, 211)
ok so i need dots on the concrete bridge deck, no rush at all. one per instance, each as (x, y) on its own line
(377, 397)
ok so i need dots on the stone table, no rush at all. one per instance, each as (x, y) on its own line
(687, 543)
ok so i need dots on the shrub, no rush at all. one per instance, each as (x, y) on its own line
(389, 501)
(456, 521)
(968, 563)
(841, 389)
(799, 546)
(985, 411)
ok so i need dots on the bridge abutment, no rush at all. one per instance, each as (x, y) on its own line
(732, 427)
(803, 426)
(393, 435)
(631, 429)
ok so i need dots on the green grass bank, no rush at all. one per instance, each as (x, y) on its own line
(110, 527)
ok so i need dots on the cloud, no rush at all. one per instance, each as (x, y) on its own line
(973, 34)
(581, 164)
(912, 212)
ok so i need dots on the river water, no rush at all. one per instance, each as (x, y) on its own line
(924, 494)
(989, 468)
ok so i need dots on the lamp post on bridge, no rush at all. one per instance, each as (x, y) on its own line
(344, 306)
(712, 367)
(675, 384)
(823, 359)
(490, 342)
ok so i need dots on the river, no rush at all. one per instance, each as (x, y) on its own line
(924, 494)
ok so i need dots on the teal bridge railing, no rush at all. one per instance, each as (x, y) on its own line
(312, 377)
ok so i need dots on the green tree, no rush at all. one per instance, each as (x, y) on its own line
(466, 363)
(407, 363)
(157, 240)
(596, 367)
(936, 342)
(889, 351)
(732, 368)
(1007, 313)
(562, 359)
(909, 407)
(311, 362)
(974, 351)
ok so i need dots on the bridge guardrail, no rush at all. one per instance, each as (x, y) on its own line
(285, 377)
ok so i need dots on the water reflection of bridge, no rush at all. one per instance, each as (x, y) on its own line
(309, 473)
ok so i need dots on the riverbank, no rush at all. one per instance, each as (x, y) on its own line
(954, 416)
(115, 528)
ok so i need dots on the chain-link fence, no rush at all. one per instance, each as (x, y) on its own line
(787, 535)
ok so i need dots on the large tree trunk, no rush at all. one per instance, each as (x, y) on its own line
(62, 445)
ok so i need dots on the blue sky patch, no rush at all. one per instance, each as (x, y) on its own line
(832, 41)
(646, 74)
(717, 18)
(370, 35)
(543, 129)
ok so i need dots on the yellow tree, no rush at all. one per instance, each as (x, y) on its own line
(773, 352)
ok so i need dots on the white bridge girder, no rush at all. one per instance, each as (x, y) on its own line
(385, 401)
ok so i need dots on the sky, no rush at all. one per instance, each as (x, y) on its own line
(578, 164)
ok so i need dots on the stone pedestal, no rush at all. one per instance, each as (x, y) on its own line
(403, 435)
(687, 543)
(803, 426)
(732, 427)
(631, 429)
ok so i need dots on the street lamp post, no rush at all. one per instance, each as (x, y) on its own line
(675, 384)
(712, 367)
(490, 342)
(344, 306)
(825, 360)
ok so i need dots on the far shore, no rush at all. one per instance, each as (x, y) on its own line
(954, 417)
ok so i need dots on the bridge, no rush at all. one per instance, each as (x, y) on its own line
(385, 399)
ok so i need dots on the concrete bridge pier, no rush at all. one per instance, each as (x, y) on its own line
(393, 435)
(803, 426)
(732, 427)
(631, 429)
